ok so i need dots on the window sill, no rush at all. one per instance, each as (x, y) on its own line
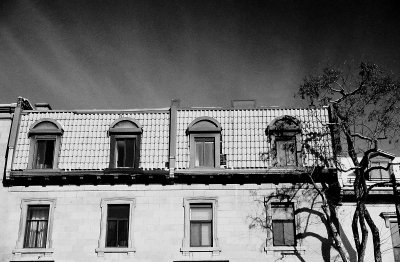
(284, 250)
(214, 250)
(102, 250)
(44, 251)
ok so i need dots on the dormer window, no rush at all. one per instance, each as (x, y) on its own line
(379, 159)
(205, 139)
(125, 136)
(45, 136)
(284, 134)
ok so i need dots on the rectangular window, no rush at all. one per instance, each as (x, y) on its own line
(283, 227)
(117, 225)
(125, 152)
(205, 152)
(286, 151)
(36, 226)
(201, 225)
(44, 154)
(394, 231)
(379, 174)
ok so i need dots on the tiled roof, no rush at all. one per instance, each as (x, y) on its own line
(85, 144)
(243, 134)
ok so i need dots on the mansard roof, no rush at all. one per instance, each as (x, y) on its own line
(243, 134)
(85, 142)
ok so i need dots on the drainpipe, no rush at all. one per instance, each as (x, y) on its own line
(173, 119)
(22, 103)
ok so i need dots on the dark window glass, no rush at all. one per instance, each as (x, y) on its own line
(286, 152)
(117, 225)
(283, 224)
(36, 227)
(201, 225)
(379, 174)
(125, 152)
(205, 152)
(44, 154)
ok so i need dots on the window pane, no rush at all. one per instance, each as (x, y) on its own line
(195, 234)
(125, 152)
(118, 211)
(36, 227)
(199, 161)
(282, 211)
(205, 151)
(111, 233)
(277, 228)
(206, 234)
(288, 233)
(286, 152)
(117, 225)
(123, 233)
(209, 153)
(44, 154)
(201, 212)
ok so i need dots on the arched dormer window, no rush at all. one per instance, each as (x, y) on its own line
(205, 139)
(45, 140)
(125, 136)
(284, 134)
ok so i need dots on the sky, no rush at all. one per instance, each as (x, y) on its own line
(141, 54)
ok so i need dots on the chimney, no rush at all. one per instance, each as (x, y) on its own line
(42, 107)
(244, 103)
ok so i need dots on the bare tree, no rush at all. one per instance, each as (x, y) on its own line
(366, 109)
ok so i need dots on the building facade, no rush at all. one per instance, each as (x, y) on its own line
(168, 184)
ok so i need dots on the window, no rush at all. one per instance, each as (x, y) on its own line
(117, 226)
(116, 231)
(394, 232)
(379, 174)
(125, 143)
(45, 136)
(205, 139)
(391, 223)
(283, 227)
(36, 226)
(284, 134)
(200, 225)
(205, 151)
(36, 222)
(286, 151)
(200, 232)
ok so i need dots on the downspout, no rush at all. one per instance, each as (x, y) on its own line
(173, 119)
(22, 103)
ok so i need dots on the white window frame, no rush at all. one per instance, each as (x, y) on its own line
(186, 248)
(25, 203)
(103, 226)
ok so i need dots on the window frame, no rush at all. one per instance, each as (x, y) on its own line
(286, 138)
(269, 247)
(379, 160)
(291, 221)
(186, 247)
(116, 133)
(390, 218)
(211, 129)
(283, 128)
(102, 248)
(36, 134)
(25, 203)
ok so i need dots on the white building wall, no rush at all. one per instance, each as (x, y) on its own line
(158, 223)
